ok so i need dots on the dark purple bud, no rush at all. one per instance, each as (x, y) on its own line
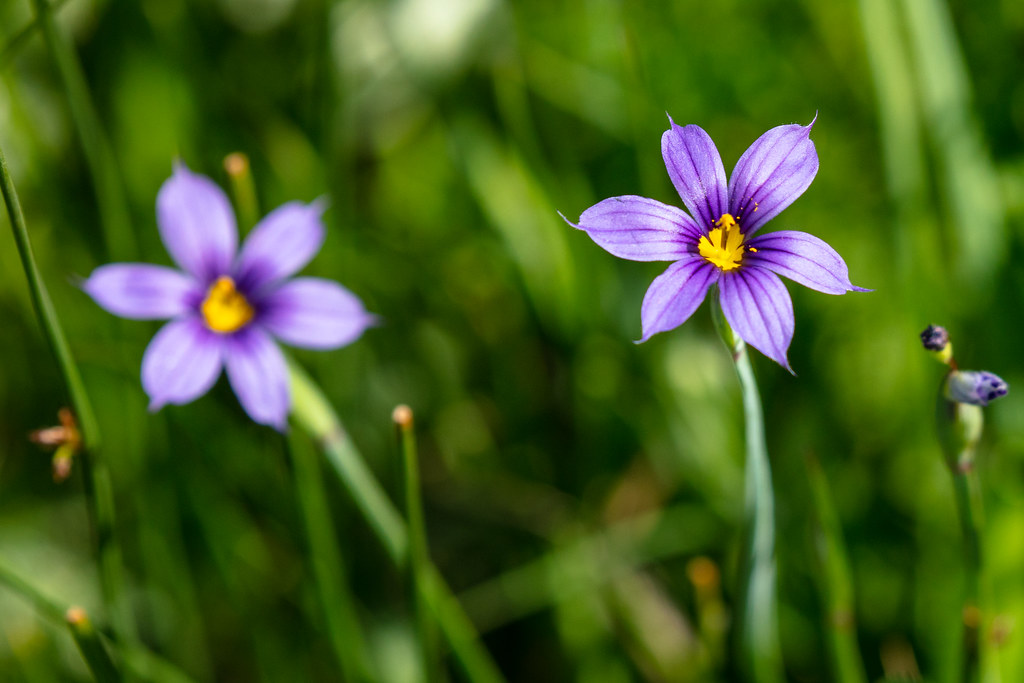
(935, 338)
(976, 388)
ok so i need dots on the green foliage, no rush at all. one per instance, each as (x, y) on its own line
(568, 475)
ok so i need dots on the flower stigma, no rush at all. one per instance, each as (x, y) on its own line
(723, 246)
(225, 309)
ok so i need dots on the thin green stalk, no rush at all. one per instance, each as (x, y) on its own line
(836, 584)
(760, 635)
(98, 483)
(113, 207)
(313, 413)
(91, 646)
(760, 655)
(243, 189)
(419, 556)
(968, 505)
(338, 604)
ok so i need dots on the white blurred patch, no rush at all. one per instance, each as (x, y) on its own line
(434, 34)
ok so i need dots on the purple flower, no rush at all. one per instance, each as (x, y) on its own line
(226, 308)
(976, 388)
(717, 246)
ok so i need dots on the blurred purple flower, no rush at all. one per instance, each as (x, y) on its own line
(974, 387)
(225, 309)
(717, 245)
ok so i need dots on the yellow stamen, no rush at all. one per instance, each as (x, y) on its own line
(225, 308)
(724, 245)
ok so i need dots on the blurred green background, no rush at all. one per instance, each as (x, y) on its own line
(570, 476)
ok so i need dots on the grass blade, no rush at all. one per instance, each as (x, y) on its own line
(314, 414)
(98, 484)
(337, 602)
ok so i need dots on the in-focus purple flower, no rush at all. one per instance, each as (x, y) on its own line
(716, 244)
(226, 306)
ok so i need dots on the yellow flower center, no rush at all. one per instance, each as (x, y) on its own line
(723, 246)
(225, 309)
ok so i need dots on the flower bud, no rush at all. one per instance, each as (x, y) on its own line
(936, 340)
(975, 388)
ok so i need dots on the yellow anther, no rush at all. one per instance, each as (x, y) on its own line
(225, 309)
(723, 246)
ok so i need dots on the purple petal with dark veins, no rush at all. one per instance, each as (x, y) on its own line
(197, 224)
(804, 259)
(758, 308)
(771, 174)
(280, 245)
(259, 376)
(639, 229)
(181, 363)
(675, 294)
(696, 170)
(141, 291)
(314, 314)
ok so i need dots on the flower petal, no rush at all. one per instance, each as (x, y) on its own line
(281, 244)
(142, 291)
(771, 174)
(758, 308)
(675, 294)
(804, 259)
(696, 170)
(181, 363)
(639, 229)
(314, 313)
(197, 224)
(259, 376)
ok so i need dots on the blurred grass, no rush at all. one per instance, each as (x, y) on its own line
(446, 135)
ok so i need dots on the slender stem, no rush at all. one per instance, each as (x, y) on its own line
(337, 602)
(91, 646)
(45, 312)
(243, 189)
(97, 478)
(313, 413)
(419, 556)
(968, 504)
(836, 584)
(759, 637)
(113, 208)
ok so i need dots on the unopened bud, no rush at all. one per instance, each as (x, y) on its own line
(936, 340)
(975, 388)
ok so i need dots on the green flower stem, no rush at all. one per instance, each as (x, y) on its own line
(89, 644)
(836, 584)
(337, 602)
(760, 654)
(419, 556)
(760, 636)
(968, 505)
(98, 483)
(113, 208)
(314, 414)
